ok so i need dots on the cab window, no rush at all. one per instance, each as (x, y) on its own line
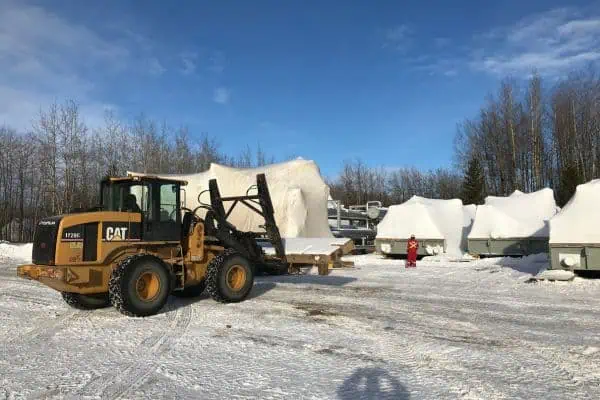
(127, 197)
(168, 202)
(137, 199)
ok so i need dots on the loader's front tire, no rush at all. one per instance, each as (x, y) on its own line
(191, 291)
(139, 286)
(86, 301)
(230, 277)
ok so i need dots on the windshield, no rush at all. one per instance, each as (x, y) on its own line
(125, 196)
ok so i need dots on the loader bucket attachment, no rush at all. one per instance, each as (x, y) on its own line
(245, 242)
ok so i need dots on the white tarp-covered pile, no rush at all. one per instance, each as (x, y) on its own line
(298, 193)
(520, 215)
(579, 220)
(432, 219)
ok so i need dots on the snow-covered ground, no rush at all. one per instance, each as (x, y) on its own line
(445, 330)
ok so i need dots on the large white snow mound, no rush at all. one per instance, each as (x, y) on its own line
(579, 219)
(427, 218)
(407, 219)
(15, 252)
(298, 192)
(519, 215)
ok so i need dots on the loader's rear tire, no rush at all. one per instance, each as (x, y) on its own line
(191, 291)
(139, 286)
(229, 277)
(86, 301)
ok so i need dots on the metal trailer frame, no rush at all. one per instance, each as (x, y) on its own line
(398, 246)
(363, 237)
(587, 255)
(508, 246)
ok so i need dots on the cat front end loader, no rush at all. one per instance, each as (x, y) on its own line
(140, 245)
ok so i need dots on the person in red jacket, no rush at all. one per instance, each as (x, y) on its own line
(411, 249)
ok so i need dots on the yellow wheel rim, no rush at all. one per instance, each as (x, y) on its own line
(236, 277)
(148, 286)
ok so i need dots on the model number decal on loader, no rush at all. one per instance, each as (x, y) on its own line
(73, 234)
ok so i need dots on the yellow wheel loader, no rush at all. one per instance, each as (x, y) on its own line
(140, 245)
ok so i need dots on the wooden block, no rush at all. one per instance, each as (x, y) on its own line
(323, 269)
(347, 247)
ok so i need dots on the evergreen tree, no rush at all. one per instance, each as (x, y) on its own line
(473, 190)
(570, 177)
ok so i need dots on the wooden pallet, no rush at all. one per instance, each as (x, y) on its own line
(325, 261)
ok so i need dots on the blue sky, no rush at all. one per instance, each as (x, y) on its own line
(386, 81)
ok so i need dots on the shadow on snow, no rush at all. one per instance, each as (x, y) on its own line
(372, 383)
(262, 285)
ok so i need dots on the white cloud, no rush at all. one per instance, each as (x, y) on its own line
(553, 43)
(155, 68)
(398, 38)
(45, 58)
(437, 65)
(221, 95)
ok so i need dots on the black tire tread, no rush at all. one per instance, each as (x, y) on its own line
(212, 276)
(114, 283)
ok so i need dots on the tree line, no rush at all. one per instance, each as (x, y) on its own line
(358, 183)
(534, 137)
(524, 137)
(56, 167)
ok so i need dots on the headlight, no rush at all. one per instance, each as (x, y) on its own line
(386, 248)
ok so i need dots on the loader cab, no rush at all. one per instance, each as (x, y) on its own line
(157, 200)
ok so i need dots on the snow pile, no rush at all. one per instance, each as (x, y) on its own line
(531, 264)
(516, 216)
(579, 219)
(521, 267)
(16, 252)
(297, 190)
(407, 219)
(426, 218)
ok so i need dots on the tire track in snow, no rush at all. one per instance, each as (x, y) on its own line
(520, 359)
(137, 373)
(113, 385)
(34, 300)
(43, 333)
(99, 383)
(39, 337)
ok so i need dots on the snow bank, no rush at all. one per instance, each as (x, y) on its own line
(297, 189)
(516, 216)
(16, 252)
(579, 219)
(531, 264)
(426, 218)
